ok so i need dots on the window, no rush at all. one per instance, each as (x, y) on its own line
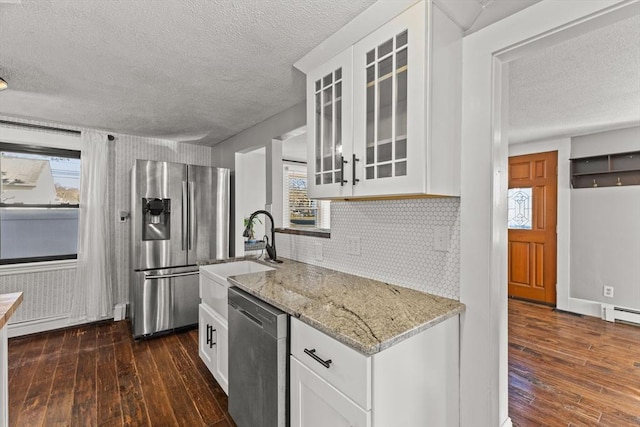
(519, 208)
(39, 201)
(300, 211)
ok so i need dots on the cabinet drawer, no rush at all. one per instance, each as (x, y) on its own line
(348, 371)
(214, 294)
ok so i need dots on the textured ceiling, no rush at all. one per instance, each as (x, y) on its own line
(203, 70)
(587, 84)
(187, 70)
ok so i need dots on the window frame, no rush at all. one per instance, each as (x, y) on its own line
(299, 230)
(45, 151)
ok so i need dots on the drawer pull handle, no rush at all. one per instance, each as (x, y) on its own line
(210, 331)
(354, 180)
(342, 163)
(312, 353)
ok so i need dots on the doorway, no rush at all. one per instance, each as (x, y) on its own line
(532, 220)
(483, 272)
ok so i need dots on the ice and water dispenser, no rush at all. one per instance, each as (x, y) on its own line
(156, 221)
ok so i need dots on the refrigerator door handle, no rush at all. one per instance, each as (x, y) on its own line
(169, 276)
(185, 214)
(193, 219)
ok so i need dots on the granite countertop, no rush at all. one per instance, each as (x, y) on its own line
(365, 314)
(8, 305)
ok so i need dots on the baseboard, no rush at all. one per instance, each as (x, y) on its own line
(44, 325)
(120, 312)
(612, 313)
(607, 312)
(586, 307)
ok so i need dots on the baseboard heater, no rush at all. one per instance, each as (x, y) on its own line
(612, 313)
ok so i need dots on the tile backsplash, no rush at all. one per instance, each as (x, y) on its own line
(396, 243)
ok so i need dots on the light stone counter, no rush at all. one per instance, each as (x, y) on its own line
(8, 305)
(364, 314)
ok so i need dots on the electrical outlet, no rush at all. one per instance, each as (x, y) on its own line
(441, 238)
(318, 251)
(608, 291)
(353, 246)
(123, 216)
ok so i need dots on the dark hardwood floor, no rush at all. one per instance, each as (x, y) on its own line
(564, 370)
(567, 370)
(96, 375)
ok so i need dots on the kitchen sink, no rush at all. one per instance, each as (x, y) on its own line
(214, 285)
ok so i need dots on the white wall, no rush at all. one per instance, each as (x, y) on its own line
(605, 228)
(295, 148)
(260, 135)
(250, 193)
(615, 141)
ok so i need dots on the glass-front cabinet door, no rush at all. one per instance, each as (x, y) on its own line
(329, 128)
(389, 107)
(383, 116)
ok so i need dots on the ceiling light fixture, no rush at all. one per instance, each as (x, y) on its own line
(3, 84)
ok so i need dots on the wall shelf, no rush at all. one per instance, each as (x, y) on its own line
(611, 170)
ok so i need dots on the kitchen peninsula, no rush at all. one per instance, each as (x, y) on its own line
(363, 352)
(8, 305)
(365, 314)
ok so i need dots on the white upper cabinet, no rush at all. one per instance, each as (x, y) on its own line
(383, 115)
(329, 127)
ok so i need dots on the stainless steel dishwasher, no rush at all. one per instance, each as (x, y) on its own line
(258, 355)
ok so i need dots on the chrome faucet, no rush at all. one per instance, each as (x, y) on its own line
(271, 248)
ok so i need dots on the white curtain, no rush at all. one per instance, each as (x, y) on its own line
(92, 296)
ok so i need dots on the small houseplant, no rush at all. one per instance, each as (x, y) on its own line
(252, 237)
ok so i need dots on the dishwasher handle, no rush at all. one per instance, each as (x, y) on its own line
(312, 353)
(246, 314)
(169, 276)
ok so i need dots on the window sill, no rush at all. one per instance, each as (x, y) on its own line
(36, 267)
(312, 232)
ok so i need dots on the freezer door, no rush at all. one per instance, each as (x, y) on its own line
(163, 300)
(158, 215)
(208, 213)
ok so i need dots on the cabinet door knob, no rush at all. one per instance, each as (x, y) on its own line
(313, 355)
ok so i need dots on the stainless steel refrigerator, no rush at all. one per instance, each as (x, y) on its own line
(179, 216)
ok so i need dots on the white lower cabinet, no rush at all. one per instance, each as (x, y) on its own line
(213, 344)
(315, 403)
(413, 383)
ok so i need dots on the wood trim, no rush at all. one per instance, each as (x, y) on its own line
(301, 232)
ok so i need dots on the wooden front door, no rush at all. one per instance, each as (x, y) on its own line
(533, 188)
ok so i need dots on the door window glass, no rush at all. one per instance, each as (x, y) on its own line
(520, 208)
